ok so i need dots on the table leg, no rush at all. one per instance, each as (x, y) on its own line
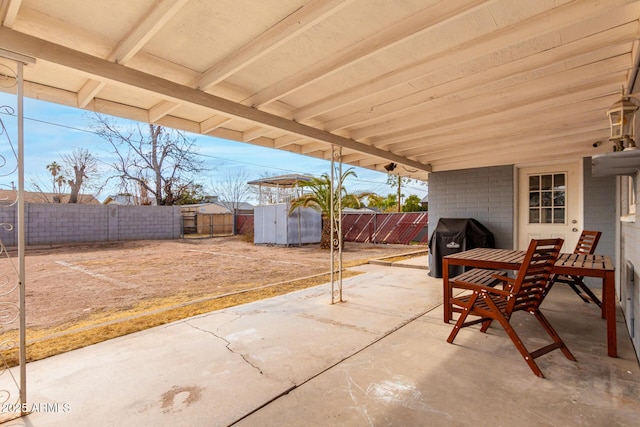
(609, 305)
(447, 291)
(603, 310)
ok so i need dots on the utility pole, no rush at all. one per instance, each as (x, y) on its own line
(399, 192)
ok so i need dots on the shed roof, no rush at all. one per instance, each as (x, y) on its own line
(10, 196)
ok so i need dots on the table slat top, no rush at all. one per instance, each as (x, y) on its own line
(509, 257)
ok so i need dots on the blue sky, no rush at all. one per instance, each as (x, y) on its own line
(52, 130)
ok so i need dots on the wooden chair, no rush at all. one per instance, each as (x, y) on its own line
(523, 293)
(586, 245)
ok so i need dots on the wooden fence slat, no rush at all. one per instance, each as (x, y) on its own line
(391, 228)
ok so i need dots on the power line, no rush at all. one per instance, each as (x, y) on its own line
(248, 163)
(51, 123)
(200, 154)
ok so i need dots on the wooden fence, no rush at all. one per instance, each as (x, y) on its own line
(392, 228)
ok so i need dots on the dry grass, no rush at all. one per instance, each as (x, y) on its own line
(153, 292)
(403, 257)
(100, 327)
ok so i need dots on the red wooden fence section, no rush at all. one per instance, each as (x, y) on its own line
(244, 223)
(394, 228)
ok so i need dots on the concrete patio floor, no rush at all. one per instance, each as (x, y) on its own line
(380, 359)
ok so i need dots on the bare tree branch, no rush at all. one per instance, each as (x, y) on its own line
(160, 161)
(233, 190)
(82, 165)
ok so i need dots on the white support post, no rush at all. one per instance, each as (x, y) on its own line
(336, 225)
(20, 61)
(21, 243)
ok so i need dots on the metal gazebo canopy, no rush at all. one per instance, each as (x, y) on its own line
(290, 183)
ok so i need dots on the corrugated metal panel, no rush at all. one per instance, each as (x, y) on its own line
(358, 227)
(393, 228)
(273, 225)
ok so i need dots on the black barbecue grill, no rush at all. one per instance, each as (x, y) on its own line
(453, 235)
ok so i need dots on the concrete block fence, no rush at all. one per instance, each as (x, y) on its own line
(50, 223)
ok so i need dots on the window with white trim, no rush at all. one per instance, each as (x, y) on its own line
(547, 198)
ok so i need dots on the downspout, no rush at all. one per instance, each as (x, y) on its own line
(631, 88)
(633, 78)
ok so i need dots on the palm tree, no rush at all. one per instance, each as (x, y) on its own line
(61, 181)
(320, 199)
(54, 169)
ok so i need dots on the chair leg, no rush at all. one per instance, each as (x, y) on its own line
(520, 346)
(578, 292)
(554, 335)
(578, 281)
(504, 321)
(485, 325)
(463, 316)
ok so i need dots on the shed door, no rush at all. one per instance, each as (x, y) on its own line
(550, 204)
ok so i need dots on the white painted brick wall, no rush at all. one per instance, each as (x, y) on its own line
(485, 194)
(600, 208)
(630, 285)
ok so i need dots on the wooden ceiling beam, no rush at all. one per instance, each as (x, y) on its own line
(310, 147)
(285, 140)
(153, 21)
(566, 147)
(118, 74)
(161, 110)
(155, 18)
(291, 26)
(395, 34)
(604, 44)
(296, 23)
(525, 95)
(212, 123)
(254, 132)
(560, 17)
(9, 12)
(510, 140)
(589, 98)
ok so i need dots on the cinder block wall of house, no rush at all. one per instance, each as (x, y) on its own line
(485, 194)
(48, 223)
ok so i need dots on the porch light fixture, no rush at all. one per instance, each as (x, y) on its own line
(390, 167)
(622, 119)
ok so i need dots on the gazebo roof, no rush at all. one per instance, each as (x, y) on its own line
(283, 181)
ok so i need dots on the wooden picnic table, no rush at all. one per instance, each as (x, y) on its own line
(598, 266)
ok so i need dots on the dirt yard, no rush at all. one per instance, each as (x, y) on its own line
(70, 283)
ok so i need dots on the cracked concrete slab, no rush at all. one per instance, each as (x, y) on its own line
(413, 377)
(379, 358)
(215, 368)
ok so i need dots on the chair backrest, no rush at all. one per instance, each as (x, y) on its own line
(532, 282)
(587, 242)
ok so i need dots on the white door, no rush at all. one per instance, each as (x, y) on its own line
(550, 204)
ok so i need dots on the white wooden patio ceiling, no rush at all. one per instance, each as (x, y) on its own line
(431, 85)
